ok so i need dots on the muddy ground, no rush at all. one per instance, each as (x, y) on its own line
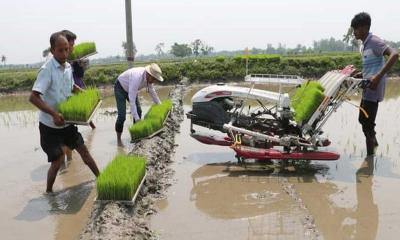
(119, 221)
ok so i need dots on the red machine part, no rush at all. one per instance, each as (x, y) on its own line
(211, 140)
(260, 153)
(265, 153)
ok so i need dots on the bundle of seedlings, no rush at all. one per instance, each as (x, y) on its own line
(121, 178)
(82, 50)
(79, 107)
(306, 100)
(153, 121)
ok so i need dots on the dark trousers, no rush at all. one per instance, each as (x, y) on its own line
(368, 124)
(121, 96)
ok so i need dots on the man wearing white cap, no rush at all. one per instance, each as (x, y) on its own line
(127, 87)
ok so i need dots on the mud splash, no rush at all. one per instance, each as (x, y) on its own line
(118, 221)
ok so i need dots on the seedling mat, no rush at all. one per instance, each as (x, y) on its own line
(126, 202)
(89, 119)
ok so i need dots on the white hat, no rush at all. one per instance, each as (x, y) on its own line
(155, 71)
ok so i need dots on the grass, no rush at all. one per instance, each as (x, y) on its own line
(306, 100)
(82, 50)
(121, 178)
(152, 122)
(79, 107)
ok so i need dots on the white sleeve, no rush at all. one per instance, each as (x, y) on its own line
(153, 94)
(43, 81)
(132, 94)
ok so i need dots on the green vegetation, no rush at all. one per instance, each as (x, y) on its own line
(82, 50)
(17, 80)
(306, 100)
(121, 178)
(208, 69)
(79, 107)
(152, 122)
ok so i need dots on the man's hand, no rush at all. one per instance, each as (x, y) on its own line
(356, 74)
(77, 89)
(374, 82)
(58, 119)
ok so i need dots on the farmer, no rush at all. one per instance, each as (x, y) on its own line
(53, 85)
(374, 68)
(127, 87)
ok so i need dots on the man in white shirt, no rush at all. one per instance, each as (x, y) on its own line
(53, 85)
(127, 87)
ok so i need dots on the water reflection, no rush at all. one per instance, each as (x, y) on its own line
(366, 213)
(67, 201)
(18, 119)
(221, 195)
(229, 191)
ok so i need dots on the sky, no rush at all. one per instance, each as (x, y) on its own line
(26, 25)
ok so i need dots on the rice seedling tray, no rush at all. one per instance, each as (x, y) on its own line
(86, 56)
(88, 120)
(154, 133)
(83, 50)
(126, 202)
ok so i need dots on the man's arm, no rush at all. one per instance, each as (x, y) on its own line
(36, 100)
(393, 57)
(77, 89)
(132, 95)
(153, 94)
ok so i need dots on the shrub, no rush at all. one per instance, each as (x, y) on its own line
(152, 122)
(220, 59)
(171, 72)
(21, 80)
(306, 100)
(79, 107)
(82, 50)
(206, 69)
(121, 178)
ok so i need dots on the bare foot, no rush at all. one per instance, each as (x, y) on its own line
(120, 143)
(49, 192)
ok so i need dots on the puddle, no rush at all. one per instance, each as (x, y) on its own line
(212, 197)
(23, 169)
(353, 198)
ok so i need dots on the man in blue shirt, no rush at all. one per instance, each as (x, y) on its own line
(374, 68)
(53, 85)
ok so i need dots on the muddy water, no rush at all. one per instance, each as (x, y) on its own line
(25, 211)
(353, 198)
(211, 196)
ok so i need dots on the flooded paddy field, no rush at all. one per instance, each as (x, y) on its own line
(353, 198)
(211, 196)
(28, 213)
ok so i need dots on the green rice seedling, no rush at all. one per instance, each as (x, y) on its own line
(140, 130)
(121, 178)
(160, 110)
(306, 100)
(155, 123)
(152, 122)
(79, 107)
(83, 49)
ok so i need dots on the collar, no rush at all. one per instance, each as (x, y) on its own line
(367, 38)
(58, 65)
